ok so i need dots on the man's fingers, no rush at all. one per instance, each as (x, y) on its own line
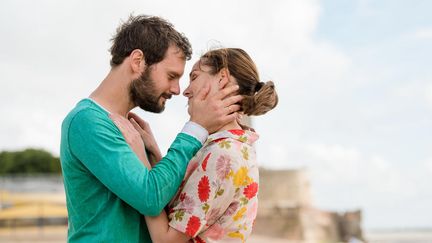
(232, 108)
(202, 94)
(232, 100)
(230, 118)
(226, 91)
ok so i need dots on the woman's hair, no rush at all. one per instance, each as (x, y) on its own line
(258, 97)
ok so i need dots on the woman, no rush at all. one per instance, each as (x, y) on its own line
(217, 200)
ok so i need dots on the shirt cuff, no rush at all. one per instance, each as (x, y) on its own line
(195, 130)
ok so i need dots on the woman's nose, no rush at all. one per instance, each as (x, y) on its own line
(186, 92)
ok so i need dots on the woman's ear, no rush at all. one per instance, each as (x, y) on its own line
(224, 78)
(137, 61)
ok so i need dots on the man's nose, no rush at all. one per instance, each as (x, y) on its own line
(175, 88)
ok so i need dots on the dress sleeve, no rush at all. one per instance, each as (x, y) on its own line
(206, 194)
(98, 144)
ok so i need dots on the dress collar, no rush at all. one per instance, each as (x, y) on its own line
(244, 136)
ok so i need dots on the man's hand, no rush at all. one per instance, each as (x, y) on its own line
(212, 110)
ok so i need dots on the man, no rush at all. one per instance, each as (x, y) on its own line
(107, 188)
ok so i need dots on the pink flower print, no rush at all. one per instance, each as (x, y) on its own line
(237, 145)
(215, 232)
(223, 166)
(252, 137)
(232, 208)
(213, 215)
(187, 204)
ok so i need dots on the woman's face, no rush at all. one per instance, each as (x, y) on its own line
(199, 77)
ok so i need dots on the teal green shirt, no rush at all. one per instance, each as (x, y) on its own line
(107, 187)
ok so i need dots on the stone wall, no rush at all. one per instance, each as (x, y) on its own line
(286, 210)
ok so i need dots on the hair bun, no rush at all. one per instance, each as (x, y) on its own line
(264, 99)
(258, 86)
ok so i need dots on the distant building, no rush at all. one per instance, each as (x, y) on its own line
(286, 210)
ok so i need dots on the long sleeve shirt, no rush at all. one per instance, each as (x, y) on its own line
(107, 187)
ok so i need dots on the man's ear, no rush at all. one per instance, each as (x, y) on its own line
(137, 61)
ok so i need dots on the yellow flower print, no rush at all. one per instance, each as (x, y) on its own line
(237, 234)
(225, 143)
(245, 153)
(242, 139)
(241, 177)
(239, 214)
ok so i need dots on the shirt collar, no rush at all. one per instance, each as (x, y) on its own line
(244, 136)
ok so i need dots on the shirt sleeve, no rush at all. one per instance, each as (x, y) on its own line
(195, 130)
(206, 195)
(99, 145)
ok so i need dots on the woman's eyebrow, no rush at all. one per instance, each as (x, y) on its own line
(190, 74)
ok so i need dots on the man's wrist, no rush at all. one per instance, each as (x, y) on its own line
(195, 130)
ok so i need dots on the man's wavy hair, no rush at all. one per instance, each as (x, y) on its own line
(150, 34)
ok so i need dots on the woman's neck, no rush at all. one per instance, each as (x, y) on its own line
(230, 126)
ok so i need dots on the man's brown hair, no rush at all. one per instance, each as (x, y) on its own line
(152, 35)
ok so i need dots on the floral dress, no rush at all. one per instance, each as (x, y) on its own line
(217, 200)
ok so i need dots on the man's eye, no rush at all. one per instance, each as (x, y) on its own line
(193, 77)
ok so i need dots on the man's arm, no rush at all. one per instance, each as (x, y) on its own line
(99, 145)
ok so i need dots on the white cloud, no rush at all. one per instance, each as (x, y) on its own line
(428, 165)
(347, 178)
(423, 34)
(428, 94)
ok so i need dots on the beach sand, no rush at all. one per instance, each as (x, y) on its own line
(57, 234)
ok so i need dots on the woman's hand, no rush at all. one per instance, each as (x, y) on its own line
(147, 136)
(132, 137)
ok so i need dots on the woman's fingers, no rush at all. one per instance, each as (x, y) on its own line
(136, 126)
(125, 127)
(143, 124)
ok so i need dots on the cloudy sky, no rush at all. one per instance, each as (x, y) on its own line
(354, 80)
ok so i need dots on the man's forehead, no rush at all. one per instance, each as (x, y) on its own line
(173, 63)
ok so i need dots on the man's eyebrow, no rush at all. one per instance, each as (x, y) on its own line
(175, 74)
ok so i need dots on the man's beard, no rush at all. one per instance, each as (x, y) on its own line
(143, 93)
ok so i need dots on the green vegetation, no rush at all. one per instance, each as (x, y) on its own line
(29, 161)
